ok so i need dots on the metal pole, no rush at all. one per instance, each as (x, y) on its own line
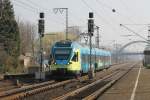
(90, 53)
(66, 23)
(97, 36)
(41, 52)
(90, 31)
(60, 10)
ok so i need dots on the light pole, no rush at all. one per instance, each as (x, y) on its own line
(61, 11)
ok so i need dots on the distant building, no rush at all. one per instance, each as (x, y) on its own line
(74, 30)
(26, 59)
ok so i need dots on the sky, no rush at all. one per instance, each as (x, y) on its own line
(134, 14)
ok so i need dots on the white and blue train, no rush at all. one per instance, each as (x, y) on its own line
(73, 58)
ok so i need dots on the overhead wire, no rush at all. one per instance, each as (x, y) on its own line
(29, 8)
(21, 2)
(35, 4)
(25, 7)
(43, 8)
(70, 18)
(133, 32)
(103, 19)
(125, 6)
(11, 26)
(111, 8)
(76, 17)
(128, 10)
(141, 29)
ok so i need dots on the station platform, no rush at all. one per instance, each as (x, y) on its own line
(133, 86)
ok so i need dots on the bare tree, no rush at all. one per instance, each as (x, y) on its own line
(28, 37)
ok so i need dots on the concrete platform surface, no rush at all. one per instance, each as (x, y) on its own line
(133, 86)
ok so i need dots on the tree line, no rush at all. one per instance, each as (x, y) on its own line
(19, 37)
(16, 37)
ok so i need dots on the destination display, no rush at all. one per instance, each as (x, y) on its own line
(62, 51)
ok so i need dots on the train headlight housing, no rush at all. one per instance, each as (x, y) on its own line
(69, 63)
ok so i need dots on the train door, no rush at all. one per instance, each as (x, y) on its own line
(76, 61)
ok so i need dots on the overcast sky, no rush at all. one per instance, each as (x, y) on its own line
(127, 12)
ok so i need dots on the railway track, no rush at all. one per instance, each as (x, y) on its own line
(93, 90)
(7, 85)
(18, 92)
(27, 91)
(109, 83)
(55, 90)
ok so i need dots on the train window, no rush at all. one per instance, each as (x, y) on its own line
(75, 57)
(61, 51)
(62, 56)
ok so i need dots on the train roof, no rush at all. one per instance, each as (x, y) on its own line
(84, 48)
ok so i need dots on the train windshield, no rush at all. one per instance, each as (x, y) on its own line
(62, 54)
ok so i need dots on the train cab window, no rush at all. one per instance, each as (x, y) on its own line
(75, 57)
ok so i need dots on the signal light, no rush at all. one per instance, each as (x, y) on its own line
(41, 27)
(41, 15)
(90, 25)
(91, 15)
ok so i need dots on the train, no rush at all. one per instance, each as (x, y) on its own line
(146, 59)
(72, 58)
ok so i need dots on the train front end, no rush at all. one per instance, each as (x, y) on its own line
(66, 59)
(146, 60)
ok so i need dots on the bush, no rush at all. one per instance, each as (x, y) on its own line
(12, 65)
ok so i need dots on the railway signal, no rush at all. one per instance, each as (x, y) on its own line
(41, 34)
(90, 32)
(41, 25)
(90, 24)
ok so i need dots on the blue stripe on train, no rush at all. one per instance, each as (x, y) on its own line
(61, 62)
